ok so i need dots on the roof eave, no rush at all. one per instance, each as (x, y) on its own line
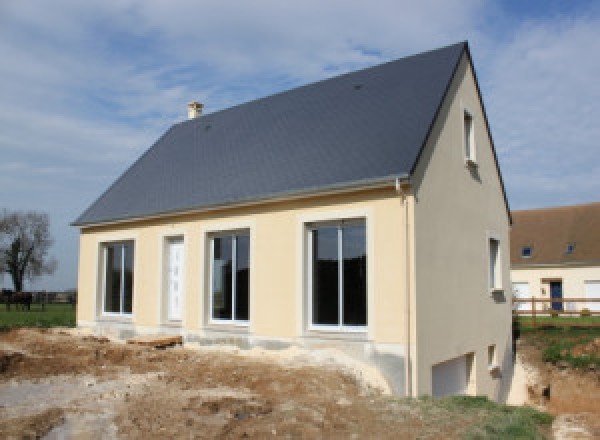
(359, 185)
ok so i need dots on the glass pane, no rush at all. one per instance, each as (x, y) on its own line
(354, 252)
(325, 288)
(112, 295)
(128, 275)
(222, 277)
(493, 263)
(242, 280)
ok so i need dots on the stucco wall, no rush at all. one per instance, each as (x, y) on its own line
(573, 281)
(277, 275)
(458, 207)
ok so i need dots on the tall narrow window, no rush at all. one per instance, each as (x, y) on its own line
(338, 259)
(469, 138)
(230, 290)
(118, 278)
(495, 273)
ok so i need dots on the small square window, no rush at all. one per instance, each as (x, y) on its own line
(526, 251)
(570, 248)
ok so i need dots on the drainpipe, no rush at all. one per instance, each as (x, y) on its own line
(404, 188)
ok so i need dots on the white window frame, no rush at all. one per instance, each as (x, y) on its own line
(495, 275)
(104, 247)
(469, 137)
(234, 234)
(310, 227)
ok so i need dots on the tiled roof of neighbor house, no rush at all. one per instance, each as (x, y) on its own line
(549, 232)
(352, 129)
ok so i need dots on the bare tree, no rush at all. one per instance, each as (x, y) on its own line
(24, 244)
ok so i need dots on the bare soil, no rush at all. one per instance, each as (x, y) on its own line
(572, 395)
(55, 384)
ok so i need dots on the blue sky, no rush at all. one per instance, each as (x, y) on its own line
(86, 87)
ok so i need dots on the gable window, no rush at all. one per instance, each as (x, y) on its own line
(570, 248)
(495, 275)
(526, 251)
(230, 277)
(118, 278)
(469, 138)
(338, 275)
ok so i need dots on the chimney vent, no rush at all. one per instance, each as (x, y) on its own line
(194, 109)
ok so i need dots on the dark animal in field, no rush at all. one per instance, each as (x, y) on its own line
(21, 300)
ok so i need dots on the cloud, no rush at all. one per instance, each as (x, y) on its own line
(88, 86)
(543, 103)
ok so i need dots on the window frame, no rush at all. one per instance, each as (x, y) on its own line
(104, 251)
(523, 248)
(340, 327)
(470, 153)
(570, 248)
(494, 282)
(211, 249)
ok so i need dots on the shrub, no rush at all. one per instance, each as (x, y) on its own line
(585, 312)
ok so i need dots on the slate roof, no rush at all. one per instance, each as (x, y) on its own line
(549, 231)
(353, 129)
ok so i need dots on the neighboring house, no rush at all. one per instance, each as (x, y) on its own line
(364, 213)
(555, 253)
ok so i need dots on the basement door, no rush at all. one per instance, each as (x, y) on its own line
(175, 280)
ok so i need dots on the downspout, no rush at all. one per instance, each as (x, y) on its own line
(403, 188)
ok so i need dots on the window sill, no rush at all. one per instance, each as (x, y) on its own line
(228, 327)
(470, 163)
(497, 291)
(349, 334)
(115, 318)
(171, 323)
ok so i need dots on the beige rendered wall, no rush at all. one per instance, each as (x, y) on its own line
(277, 274)
(457, 208)
(573, 279)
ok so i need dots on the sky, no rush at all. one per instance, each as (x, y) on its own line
(87, 86)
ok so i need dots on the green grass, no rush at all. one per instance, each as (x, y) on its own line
(556, 343)
(488, 420)
(557, 321)
(55, 315)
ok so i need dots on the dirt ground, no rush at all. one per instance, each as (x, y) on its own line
(571, 395)
(56, 384)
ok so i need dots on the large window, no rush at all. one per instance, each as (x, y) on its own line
(338, 275)
(118, 277)
(230, 285)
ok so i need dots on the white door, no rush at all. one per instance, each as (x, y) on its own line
(592, 290)
(521, 291)
(175, 280)
(450, 377)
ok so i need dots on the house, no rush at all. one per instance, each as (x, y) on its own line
(364, 213)
(555, 253)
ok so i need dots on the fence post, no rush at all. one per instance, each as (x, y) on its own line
(533, 310)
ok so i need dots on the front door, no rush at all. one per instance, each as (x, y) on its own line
(175, 280)
(556, 293)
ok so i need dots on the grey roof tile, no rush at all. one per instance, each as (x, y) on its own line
(361, 126)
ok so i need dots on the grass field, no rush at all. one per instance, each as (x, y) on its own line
(55, 315)
(557, 342)
(558, 321)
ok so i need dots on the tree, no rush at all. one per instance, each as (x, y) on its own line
(24, 244)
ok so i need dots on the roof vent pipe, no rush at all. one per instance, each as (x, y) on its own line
(194, 109)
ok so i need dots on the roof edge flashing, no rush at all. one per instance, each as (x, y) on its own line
(360, 185)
